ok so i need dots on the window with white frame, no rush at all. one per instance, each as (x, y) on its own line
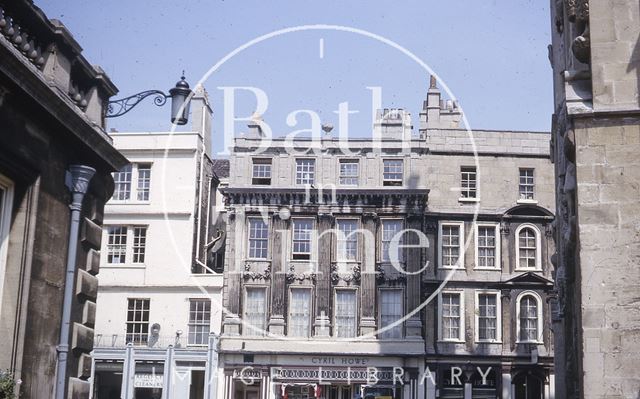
(199, 321)
(451, 316)
(451, 245)
(305, 171)
(349, 172)
(392, 172)
(299, 312)
(258, 238)
(255, 306)
(528, 247)
(126, 244)
(301, 238)
(529, 317)
(526, 186)
(261, 171)
(122, 184)
(138, 320)
(347, 239)
(487, 246)
(345, 313)
(390, 229)
(144, 181)
(132, 181)
(391, 312)
(487, 317)
(468, 183)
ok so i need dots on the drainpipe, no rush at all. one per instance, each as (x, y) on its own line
(77, 181)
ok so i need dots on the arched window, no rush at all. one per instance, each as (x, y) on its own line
(528, 248)
(529, 314)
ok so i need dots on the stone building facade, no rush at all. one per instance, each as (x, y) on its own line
(595, 55)
(53, 149)
(399, 266)
(161, 273)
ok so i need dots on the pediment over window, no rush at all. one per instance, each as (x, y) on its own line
(529, 278)
(528, 210)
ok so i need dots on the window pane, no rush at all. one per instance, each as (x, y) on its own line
(305, 171)
(254, 311)
(468, 181)
(144, 181)
(391, 311)
(347, 239)
(199, 321)
(528, 318)
(487, 246)
(137, 320)
(451, 316)
(487, 317)
(116, 244)
(122, 180)
(300, 313)
(390, 228)
(302, 231)
(139, 244)
(261, 172)
(526, 185)
(450, 246)
(527, 247)
(349, 173)
(258, 238)
(345, 313)
(392, 173)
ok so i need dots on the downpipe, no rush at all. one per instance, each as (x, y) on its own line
(77, 181)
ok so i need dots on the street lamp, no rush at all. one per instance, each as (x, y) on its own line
(179, 102)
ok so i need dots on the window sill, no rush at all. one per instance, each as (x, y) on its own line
(124, 266)
(529, 343)
(468, 200)
(488, 269)
(527, 201)
(450, 341)
(521, 269)
(130, 202)
(451, 268)
(479, 342)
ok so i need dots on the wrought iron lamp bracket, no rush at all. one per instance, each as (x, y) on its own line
(122, 106)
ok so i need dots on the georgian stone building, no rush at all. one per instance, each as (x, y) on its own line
(397, 266)
(161, 273)
(55, 176)
(595, 55)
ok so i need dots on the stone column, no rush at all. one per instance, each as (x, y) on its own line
(505, 248)
(322, 323)
(278, 265)
(506, 385)
(507, 322)
(414, 262)
(368, 274)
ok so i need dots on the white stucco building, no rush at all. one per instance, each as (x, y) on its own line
(159, 289)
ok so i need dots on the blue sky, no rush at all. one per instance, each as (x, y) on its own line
(491, 53)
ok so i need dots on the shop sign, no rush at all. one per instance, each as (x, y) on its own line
(148, 381)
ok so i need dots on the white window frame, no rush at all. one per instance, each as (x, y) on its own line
(262, 162)
(289, 313)
(356, 232)
(248, 330)
(6, 206)
(133, 189)
(521, 199)
(195, 324)
(392, 182)
(312, 239)
(335, 311)
(143, 339)
(381, 254)
(497, 295)
(400, 327)
(537, 297)
(300, 181)
(462, 330)
(467, 190)
(462, 241)
(497, 260)
(268, 239)
(357, 175)
(130, 236)
(536, 231)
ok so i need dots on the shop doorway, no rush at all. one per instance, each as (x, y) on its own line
(243, 391)
(340, 392)
(528, 386)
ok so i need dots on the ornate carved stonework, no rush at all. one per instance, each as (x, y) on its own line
(249, 273)
(578, 14)
(348, 277)
(293, 276)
